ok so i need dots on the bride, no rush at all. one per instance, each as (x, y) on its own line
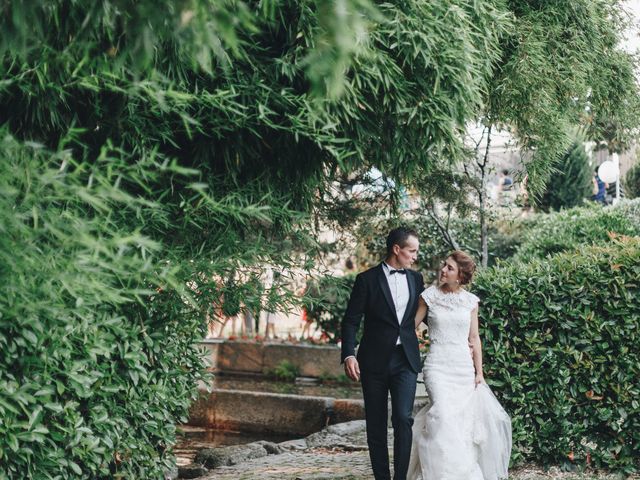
(464, 434)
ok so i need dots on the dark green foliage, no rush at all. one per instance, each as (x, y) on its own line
(560, 339)
(570, 230)
(97, 362)
(534, 236)
(507, 234)
(105, 295)
(572, 184)
(632, 182)
(249, 116)
(285, 371)
(328, 302)
(561, 60)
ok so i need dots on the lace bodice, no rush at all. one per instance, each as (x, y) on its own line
(449, 315)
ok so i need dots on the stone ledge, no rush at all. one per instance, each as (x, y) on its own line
(256, 358)
(260, 412)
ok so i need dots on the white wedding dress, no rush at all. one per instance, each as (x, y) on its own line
(464, 434)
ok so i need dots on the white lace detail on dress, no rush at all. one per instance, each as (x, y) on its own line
(433, 296)
(449, 315)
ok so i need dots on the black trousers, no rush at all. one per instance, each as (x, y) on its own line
(400, 380)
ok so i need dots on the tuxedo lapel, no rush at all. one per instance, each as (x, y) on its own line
(412, 296)
(386, 292)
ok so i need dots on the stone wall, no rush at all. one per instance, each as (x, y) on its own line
(257, 358)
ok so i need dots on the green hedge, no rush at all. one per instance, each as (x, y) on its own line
(632, 181)
(560, 340)
(572, 184)
(568, 230)
(97, 354)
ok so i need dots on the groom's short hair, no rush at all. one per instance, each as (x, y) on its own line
(399, 236)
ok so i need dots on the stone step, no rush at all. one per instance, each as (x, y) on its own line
(274, 413)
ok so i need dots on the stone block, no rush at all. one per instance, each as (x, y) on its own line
(192, 470)
(347, 428)
(271, 447)
(297, 444)
(346, 410)
(260, 412)
(240, 357)
(311, 360)
(231, 455)
(323, 439)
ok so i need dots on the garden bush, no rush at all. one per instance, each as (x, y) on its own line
(632, 182)
(571, 229)
(97, 354)
(630, 209)
(560, 339)
(572, 184)
(507, 232)
(285, 371)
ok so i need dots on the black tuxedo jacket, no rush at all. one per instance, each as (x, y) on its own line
(371, 298)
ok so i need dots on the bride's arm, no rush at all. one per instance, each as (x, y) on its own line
(421, 313)
(474, 341)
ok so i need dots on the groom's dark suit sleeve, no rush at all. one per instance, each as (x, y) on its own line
(353, 317)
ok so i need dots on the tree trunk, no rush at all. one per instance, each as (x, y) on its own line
(444, 228)
(482, 197)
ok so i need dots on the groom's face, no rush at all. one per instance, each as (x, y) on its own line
(408, 254)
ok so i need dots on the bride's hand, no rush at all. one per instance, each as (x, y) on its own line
(479, 379)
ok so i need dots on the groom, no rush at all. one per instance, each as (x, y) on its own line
(388, 359)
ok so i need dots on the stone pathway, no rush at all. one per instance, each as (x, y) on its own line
(313, 464)
(340, 452)
(317, 464)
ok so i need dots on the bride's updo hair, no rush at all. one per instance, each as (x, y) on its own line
(466, 265)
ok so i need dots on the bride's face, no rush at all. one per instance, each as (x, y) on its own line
(449, 273)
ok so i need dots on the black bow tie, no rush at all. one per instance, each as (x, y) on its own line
(400, 270)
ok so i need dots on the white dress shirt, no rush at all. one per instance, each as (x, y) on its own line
(399, 286)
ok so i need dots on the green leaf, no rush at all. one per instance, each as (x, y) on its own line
(74, 466)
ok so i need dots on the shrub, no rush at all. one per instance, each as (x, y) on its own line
(632, 182)
(560, 339)
(630, 209)
(574, 228)
(507, 233)
(285, 371)
(572, 184)
(97, 355)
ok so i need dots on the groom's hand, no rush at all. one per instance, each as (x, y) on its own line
(352, 369)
